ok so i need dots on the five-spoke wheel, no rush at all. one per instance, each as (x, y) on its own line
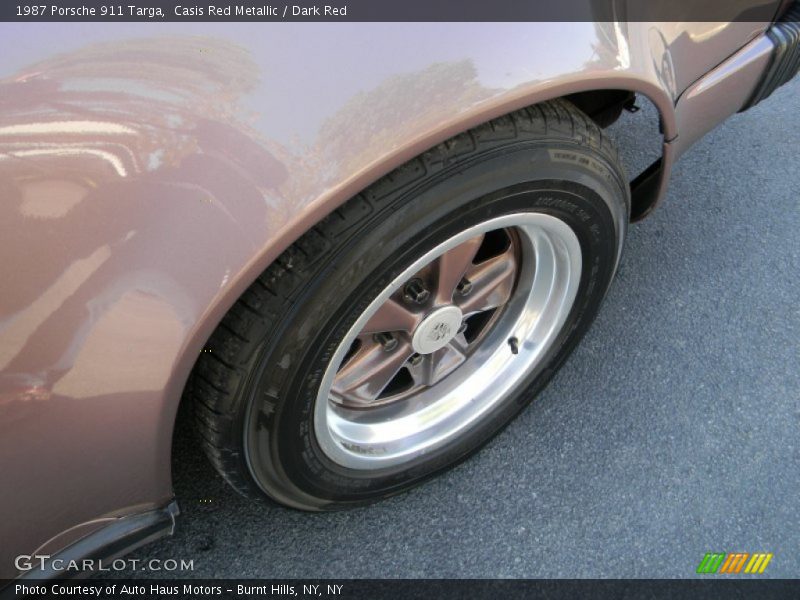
(441, 344)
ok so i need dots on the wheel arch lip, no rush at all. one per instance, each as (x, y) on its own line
(334, 197)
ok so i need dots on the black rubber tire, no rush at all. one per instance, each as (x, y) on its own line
(254, 389)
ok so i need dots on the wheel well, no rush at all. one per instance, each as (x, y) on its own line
(643, 156)
(607, 107)
(603, 106)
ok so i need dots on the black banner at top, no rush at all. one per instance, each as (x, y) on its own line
(387, 10)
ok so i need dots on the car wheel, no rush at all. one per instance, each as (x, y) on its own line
(408, 327)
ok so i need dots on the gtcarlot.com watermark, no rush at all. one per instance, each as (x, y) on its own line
(28, 562)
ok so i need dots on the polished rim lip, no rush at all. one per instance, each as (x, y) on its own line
(390, 435)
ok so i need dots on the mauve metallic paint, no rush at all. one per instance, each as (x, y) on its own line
(149, 172)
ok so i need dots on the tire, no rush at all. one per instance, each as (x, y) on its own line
(270, 415)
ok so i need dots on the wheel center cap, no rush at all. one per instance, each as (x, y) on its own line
(437, 329)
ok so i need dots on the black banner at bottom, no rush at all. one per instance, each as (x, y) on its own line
(357, 589)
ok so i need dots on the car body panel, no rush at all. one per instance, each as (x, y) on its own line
(719, 93)
(149, 173)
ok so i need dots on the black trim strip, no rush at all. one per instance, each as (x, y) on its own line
(785, 36)
(112, 541)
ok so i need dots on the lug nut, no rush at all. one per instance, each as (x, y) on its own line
(415, 360)
(386, 340)
(415, 292)
(464, 286)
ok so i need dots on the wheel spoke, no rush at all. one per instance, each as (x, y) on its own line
(421, 371)
(449, 358)
(452, 265)
(367, 373)
(392, 316)
(434, 367)
(492, 284)
(459, 345)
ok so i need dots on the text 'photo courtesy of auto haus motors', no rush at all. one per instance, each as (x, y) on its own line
(352, 253)
(186, 590)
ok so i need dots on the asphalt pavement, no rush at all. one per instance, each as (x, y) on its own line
(671, 431)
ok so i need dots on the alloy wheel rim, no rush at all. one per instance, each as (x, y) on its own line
(449, 339)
